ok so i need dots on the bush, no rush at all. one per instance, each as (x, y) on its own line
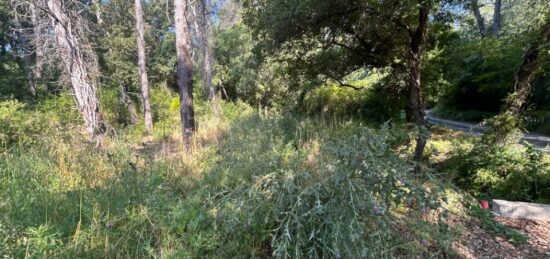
(507, 173)
(292, 190)
(270, 186)
(13, 123)
(25, 124)
(538, 121)
(373, 104)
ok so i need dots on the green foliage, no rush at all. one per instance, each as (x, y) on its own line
(270, 186)
(481, 73)
(508, 172)
(260, 183)
(24, 124)
(12, 73)
(12, 78)
(241, 75)
(372, 103)
(297, 190)
(538, 121)
(12, 122)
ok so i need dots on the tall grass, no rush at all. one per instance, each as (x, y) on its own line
(255, 186)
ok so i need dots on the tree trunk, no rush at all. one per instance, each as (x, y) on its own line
(22, 49)
(205, 36)
(97, 10)
(502, 125)
(30, 75)
(207, 53)
(127, 103)
(415, 107)
(496, 18)
(479, 19)
(531, 62)
(148, 118)
(185, 73)
(39, 54)
(83, 87)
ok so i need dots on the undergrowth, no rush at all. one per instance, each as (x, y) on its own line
(255, 186)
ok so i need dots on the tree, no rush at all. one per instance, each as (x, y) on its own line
(496, 18)
(531, 62)
(479, 18)
(415, 106)
(206, 36)
(70, 52)
(23, 49)
(332, 39)
(508, 120)
(39, 52)
(184, 72)
(148, 118)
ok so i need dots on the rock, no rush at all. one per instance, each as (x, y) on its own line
(522, 210)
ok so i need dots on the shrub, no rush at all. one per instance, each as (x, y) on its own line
(374, 103)
(25, 124)
(318, 194)
(19, 125)
(508, 172)
(270, 186)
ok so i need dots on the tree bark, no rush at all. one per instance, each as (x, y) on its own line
(97, 10)
(496, 18)
(184, 72)
(502, 125)
(207, 53)
(83, 87)
(415, 110)
(29, 71)
(39, 54)
(205, 36)
(479, 19)
(531, 62)
(148, 118)
(22, 49)
(127, 103)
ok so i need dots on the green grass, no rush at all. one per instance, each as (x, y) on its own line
(255, 186)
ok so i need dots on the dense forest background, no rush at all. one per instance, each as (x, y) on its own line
(258, 128)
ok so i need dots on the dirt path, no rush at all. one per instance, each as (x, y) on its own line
(540, 141)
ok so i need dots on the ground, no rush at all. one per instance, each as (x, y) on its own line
(476, 242)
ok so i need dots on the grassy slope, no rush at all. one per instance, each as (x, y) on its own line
(255, 186)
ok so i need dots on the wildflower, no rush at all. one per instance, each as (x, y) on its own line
(424, 242)
(409, 204)
(378, 211)
(424, 210)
